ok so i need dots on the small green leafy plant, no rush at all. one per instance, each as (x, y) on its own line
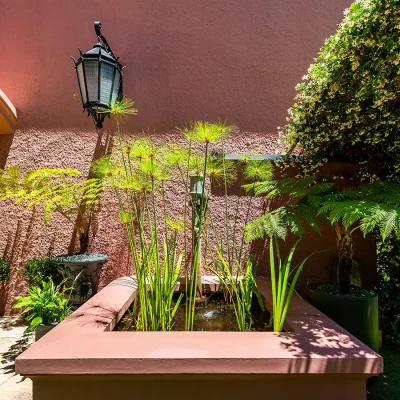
(40, 269)
(44, 305)
(5, 268)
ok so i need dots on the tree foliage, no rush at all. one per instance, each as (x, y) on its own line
(370, 207)
(349, 102)
(57, 190)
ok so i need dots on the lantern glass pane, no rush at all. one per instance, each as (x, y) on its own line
(92, 79)
(106, 81)
(117, 83)
(81, 80)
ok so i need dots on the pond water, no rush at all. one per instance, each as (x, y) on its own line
(212, 314)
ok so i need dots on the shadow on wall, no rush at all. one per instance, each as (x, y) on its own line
(103, 147)
(17, 250)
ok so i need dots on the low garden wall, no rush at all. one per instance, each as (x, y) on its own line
(83, 358)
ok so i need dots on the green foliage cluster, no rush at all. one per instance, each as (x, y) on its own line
(138, 172)
(370, 208)
(348, 104)
(5, 268)
(58, 190)
(39, 269)
(44, 305)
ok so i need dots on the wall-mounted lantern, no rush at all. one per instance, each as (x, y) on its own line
(100, 78)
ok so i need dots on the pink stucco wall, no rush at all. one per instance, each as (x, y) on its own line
(185, 60)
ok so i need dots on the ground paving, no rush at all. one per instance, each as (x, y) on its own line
(12, 343)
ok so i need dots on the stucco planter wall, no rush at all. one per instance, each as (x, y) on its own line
(83, 358)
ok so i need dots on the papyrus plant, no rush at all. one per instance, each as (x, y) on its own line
(233, 265)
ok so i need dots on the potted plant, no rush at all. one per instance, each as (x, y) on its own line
(44, 306)
(368, 208)
(58, 190)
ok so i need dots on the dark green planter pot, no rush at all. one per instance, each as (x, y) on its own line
(358, 315)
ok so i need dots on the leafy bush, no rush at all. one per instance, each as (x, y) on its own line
(39, 269)
(348, 104)
(5, 268)
(44, 305)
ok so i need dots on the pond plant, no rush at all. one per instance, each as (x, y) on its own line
(139, 173)
(235, 267)
(282, 289)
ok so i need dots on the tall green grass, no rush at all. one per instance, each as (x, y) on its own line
(282, 289)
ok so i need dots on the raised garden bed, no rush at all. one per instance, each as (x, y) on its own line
(83, 358)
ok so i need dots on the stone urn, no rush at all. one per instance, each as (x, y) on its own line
(79, 270)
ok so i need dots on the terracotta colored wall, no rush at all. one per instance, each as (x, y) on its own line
(185, 60)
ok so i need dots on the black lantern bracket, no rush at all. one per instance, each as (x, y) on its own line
(102, 39)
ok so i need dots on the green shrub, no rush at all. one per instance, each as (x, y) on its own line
(5, 268)
(44, 305)
(348, 103)
(39, 269)
(389, 290)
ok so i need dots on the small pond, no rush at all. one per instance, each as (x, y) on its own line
(212, 314)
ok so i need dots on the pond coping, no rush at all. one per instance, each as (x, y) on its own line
(85, 344)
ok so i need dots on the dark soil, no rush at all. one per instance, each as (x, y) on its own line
(333, 289)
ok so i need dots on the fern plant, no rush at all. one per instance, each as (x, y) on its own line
(58, 190)
(372, 207)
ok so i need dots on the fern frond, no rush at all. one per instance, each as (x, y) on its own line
(270, 224)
